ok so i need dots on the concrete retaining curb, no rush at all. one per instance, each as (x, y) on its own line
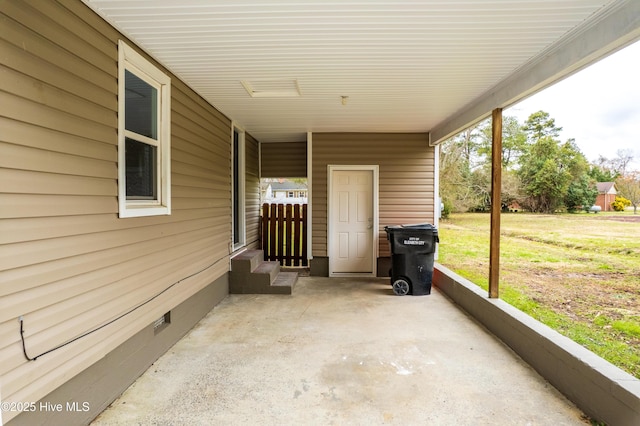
(600, 389)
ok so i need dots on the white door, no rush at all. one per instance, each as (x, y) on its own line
(351, 222)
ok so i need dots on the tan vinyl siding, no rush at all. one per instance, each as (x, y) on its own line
(252, 195)
(68, 264)
(283, 160)
(406, 171)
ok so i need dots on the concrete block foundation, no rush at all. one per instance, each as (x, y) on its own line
(600, 389)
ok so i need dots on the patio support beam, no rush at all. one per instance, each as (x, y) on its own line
(496, 202)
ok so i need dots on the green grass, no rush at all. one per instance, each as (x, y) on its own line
(577, 273)
(627, 327)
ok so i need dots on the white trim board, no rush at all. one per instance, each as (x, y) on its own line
(376, 220)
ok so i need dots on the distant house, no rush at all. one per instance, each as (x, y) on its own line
(513, 207)
(606, 195)
(286, 191)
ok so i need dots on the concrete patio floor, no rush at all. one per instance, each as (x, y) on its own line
(340, 352)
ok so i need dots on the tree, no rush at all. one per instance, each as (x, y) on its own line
(514, 141)
(547, 170)
(629, 187)
(540, 125)
(467, 142)
(480, 185)
(600, 174)
(457, 159)
(581, 194)
(465, 160)
(616, 166)
(454, 177)
(544, 181)
(511, 189)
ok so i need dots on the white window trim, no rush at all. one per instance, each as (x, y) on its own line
(129, 59)
(241, 188)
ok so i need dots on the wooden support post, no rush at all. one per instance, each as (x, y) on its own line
(496, 203)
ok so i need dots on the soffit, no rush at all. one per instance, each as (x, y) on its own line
(406, 66)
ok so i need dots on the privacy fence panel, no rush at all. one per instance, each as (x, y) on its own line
(284, 233)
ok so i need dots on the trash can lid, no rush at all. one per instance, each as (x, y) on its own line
(416, 226)
(419, 226)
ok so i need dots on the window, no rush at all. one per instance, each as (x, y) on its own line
(237, 195)
(144, 114)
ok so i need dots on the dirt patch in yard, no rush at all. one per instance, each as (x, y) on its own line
(632, 219)
(579, 274)
(577, 294)
(599, 301)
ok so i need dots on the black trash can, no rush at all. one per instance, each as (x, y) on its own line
(412, 252)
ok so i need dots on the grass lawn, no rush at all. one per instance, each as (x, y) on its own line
(577, 273)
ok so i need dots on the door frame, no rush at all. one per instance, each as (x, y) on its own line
(374, 168)
(238, 217)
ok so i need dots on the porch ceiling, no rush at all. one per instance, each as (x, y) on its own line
(406, 66)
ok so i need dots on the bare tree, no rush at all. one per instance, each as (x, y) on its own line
(457, 158)
(616, 166)
(629, 187)
(624, 157)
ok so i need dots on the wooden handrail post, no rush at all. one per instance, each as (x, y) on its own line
(496, 203)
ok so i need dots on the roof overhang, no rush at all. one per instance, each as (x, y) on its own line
(280, 70)
(610, 30)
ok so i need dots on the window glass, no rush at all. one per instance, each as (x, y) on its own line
(141, 170)
(237, 220)
(141, 107)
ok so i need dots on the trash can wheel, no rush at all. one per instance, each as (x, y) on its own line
(401, 287)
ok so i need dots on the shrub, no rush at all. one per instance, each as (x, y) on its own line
(446, 209)
(620, 204)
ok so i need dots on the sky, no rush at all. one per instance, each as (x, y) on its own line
(599, 106)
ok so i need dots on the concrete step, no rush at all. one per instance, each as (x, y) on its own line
(284, 283)
(247, 261)
(250, 274)
(268, 270)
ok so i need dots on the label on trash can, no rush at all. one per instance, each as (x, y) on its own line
(414, 241)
